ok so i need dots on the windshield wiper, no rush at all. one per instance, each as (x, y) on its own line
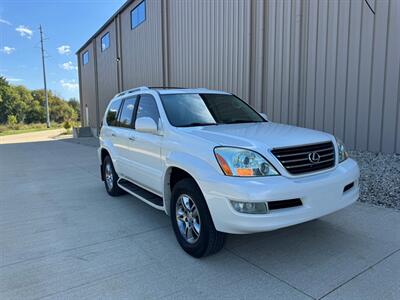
(242, 121)
(198, 124)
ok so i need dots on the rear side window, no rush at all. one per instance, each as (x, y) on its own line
(125, 119)
(112, 113)
(148, 108)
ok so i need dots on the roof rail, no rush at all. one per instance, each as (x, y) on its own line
(166, 87)
(140, 88)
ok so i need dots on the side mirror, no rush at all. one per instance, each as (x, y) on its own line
(264, 116)
(146, 124)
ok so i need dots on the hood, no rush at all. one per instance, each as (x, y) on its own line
(256, 135)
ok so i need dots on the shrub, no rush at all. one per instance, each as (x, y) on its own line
(11, 121)
(67, 125)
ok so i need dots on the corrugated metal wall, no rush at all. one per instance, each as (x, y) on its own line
(209, 44)
(141, 52)
(88, 94)
(350, 72)
(107, 77)
(328, 64)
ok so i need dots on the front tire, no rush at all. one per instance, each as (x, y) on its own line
(192, 222)
(111, 178)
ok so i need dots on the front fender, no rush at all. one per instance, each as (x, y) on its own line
(195, 166)
(198, 168)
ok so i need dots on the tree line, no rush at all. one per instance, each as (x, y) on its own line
(21, 105)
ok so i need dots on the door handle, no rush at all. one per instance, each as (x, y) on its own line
(132, 138)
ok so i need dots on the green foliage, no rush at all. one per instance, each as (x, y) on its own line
(76, 106)
(67, 125)
(29, 106)
(11, 121)
(23, 128)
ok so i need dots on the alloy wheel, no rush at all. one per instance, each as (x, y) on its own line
(109, 176)
(188, 219)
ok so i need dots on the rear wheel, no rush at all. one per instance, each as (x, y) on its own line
(111, 178)
(192, 222)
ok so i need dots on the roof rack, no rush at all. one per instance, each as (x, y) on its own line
(141, 88)
(166, 87)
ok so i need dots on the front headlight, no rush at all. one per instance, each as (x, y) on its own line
(342, 153)
(242, 162)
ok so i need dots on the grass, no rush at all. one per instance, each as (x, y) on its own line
(25, 128)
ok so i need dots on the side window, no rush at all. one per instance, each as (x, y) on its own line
(112, 113)
(138, 14)
(148, 108)
(85, 57)
(125, 119)
(105, 42)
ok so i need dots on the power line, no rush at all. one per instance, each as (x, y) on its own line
(44, 79)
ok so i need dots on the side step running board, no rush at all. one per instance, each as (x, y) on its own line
(144, 195)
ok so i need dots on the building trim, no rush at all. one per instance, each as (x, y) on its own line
(108, 22)
(96, 84)
(80, 89)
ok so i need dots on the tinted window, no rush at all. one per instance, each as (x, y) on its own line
(105, 41)
(125, 120)
(112, 114)
(148, 108)
(138, 14)
(207, 109)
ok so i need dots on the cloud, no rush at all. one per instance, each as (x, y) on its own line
(68, 66)
(10, 79)
(7, 50)
(64, 49)
(69, 84)
(2, 21)
(24, 31)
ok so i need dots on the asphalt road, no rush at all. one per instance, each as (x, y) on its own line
(63, 237)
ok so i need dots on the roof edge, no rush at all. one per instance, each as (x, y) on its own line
(122, 8)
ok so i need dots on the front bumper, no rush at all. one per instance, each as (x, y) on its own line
(321, 194)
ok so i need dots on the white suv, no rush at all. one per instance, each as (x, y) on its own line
(216, 166)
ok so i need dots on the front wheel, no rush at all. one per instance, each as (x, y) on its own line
(192, 222)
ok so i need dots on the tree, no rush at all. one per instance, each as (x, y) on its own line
(76, 106)
(28, 106)
(11, 104)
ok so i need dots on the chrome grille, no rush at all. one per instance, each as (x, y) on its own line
(306, 159)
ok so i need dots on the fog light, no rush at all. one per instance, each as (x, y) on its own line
(250, 207)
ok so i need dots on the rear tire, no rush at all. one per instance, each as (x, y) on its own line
(111, 178)
(192, 222)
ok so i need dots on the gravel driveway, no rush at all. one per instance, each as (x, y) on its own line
(379, 179)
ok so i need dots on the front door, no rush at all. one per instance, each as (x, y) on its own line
(145, 149)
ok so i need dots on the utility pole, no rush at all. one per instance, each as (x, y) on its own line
(44, 79)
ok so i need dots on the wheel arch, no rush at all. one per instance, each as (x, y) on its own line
(173, 175)
(103, 153)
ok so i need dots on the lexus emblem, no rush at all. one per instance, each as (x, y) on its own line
(314, 157)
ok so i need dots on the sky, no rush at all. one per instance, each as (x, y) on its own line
(67, 25)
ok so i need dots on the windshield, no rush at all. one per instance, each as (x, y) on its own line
(185, 110)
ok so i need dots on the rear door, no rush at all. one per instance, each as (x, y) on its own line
(145, 149)
(124, 136)
(110, 131)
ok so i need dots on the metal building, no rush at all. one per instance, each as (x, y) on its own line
(329, 65)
